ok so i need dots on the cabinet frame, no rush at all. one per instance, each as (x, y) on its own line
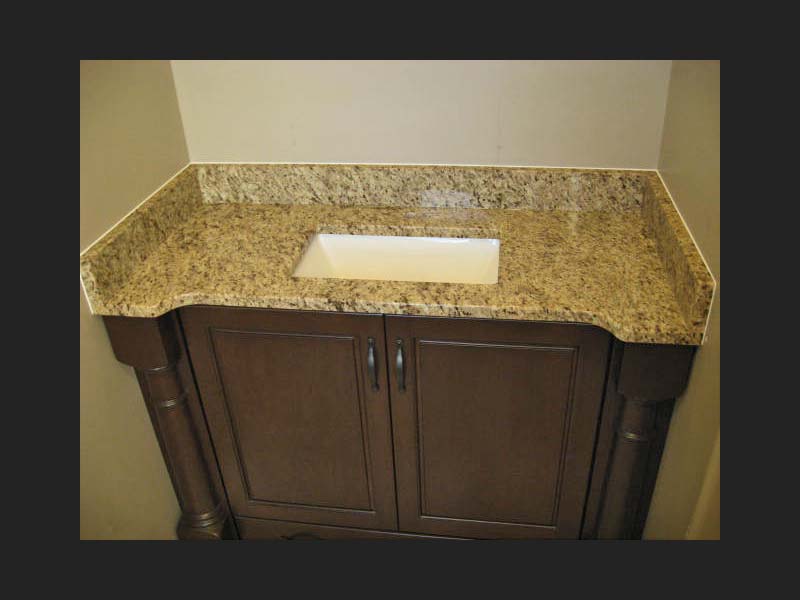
(641, 384)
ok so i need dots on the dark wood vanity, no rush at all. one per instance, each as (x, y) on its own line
(289, 424)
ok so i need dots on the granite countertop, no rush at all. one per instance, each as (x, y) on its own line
(599, 247)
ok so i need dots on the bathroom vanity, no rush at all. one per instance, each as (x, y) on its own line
(296, 399)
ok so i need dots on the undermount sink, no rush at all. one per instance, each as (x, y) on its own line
(401, 258)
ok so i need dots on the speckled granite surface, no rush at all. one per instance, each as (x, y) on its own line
(687, 273)
(601, 247)
(118, 255)
(424, 186)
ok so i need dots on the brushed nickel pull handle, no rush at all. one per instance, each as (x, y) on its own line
(372, 365)
(400, 364)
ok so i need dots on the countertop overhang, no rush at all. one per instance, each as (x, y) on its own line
(602, 247)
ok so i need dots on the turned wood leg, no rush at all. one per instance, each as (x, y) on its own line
(632, 469)
(154, 347)
(644, 380)
(203, 512)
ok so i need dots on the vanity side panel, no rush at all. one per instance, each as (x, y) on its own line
(643, 382)
(155, 348)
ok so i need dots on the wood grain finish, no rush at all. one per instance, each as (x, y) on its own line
(264, 529)
(495, 430)
(155, 348)
(634, 437)
(301, 433)
(144, 343)
(643, 381)
(654, 372)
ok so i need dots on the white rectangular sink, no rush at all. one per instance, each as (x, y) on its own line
(400, 258)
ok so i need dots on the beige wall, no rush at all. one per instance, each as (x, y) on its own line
(559, 113)
(131, 142)
(705, 523)
(686, 499)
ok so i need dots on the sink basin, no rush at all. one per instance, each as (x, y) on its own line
(400, 258)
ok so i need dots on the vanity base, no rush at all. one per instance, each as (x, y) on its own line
(595, 410)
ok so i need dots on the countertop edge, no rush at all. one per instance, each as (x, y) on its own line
(108, 264)
(619, 331)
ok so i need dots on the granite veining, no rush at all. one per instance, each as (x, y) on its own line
(599, 247)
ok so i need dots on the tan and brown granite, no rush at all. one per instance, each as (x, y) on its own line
(689, 276)
(115, 257)
(430, 186)
(588, 246)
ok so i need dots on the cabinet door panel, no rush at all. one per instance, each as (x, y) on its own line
(495, 428)
(300, 432)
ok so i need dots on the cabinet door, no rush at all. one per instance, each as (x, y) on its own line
(301, 430)
(494, 428)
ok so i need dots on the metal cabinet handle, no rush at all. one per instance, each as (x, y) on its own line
(372, 365)
(400, 364)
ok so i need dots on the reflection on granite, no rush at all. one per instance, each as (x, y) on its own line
(600, 247)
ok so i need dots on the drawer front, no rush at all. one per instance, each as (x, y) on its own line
(263, 529)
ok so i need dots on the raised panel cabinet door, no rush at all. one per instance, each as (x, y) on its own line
(494, 424)
(298, 416)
